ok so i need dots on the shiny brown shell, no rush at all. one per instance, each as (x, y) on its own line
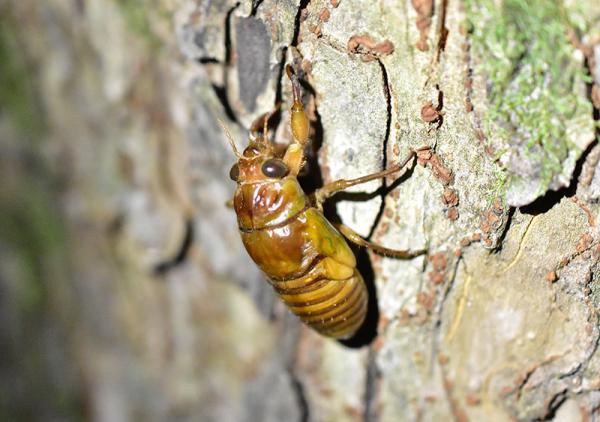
(307, 261)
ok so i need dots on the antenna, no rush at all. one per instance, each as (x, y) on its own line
(230, 139)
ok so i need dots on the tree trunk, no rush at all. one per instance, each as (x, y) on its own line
(126, 294)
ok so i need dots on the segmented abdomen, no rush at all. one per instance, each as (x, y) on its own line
(335, 308)
(311, 267)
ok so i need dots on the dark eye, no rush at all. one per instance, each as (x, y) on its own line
(234, 173)
(275, 168)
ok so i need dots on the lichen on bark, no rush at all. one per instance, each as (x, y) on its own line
(537, 117)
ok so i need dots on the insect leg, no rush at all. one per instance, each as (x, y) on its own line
(294, 155)
(260, 124)
(229, 203)
(354, 237)
(330, 189)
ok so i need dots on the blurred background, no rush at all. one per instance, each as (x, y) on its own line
(125, 292)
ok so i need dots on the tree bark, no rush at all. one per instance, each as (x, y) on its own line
(126, 294)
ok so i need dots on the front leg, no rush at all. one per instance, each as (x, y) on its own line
(300, 125)
(260, 126)
(330, 189)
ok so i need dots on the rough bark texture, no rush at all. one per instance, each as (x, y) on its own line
(125, 293)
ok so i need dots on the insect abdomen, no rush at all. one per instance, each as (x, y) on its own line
(335, 308)
(306, 259)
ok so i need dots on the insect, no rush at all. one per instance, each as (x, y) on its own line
(305, 258)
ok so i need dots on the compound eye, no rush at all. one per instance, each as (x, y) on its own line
(234, 173)
(275, 168)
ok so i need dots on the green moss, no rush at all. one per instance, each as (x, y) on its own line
(498, 188)
(33, 247)
(533, 78)
(31, 225)
(17, 88)
(35, 242)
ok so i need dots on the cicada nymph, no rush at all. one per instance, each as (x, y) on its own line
(305, 258)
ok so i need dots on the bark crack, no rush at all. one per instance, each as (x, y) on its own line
(162, 268)
(299, 394)
(555, 403)
(372, 375)
(553, 197)
(384, 161)
(442, 30)
(255, 5)
(222, 91)
(298, 21)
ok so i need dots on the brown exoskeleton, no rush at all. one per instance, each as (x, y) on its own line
(305, 258)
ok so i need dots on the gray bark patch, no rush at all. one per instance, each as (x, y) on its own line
(253, 46)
